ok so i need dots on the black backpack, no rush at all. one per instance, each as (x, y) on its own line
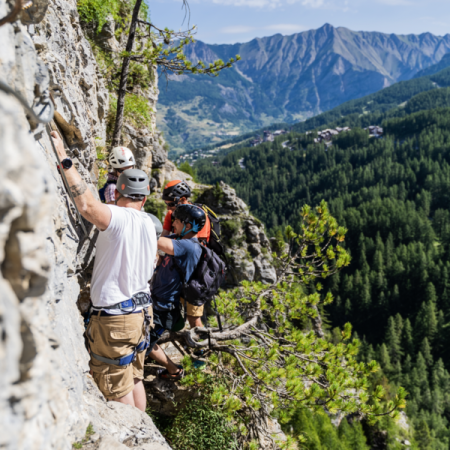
(206, 278)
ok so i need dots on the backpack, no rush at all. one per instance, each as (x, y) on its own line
(206, 278)
(215, 243)
(214, 237)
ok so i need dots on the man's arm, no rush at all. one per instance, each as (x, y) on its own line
(90, 208)
(166, 245)
(164, 233)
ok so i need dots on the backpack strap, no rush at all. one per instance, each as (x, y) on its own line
(183, 275)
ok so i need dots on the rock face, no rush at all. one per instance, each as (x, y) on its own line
(246, 243)
(48, 398)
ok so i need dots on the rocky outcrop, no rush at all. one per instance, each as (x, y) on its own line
(246, 243)
(48, 398)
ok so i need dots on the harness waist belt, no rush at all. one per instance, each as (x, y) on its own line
(125, 360)
(106, 314)
(139, 299)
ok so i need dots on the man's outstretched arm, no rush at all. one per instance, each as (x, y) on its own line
(90, 208)
(165, 245)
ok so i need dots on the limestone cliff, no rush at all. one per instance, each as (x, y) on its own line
(47, 397)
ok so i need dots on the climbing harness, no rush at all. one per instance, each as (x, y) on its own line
(139, 299)
(61, 170)
(129, 306)
(125, 360)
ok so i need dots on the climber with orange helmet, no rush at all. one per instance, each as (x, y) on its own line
(177, 192)
(120, 159)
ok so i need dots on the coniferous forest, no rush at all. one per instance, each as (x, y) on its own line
(393, 196)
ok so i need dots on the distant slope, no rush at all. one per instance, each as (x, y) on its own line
(397, 100)
(287, 78)
(393, 196)
(435, 68)
(374, 108)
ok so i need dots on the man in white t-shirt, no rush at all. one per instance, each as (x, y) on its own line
(126, 248)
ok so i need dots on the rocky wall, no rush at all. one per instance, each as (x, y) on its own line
(246, 244)
(47, 397)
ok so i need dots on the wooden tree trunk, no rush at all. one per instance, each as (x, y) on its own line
(124, 77)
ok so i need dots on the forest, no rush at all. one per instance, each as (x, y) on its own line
(393, 196)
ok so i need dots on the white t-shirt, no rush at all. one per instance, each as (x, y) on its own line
(124, 259)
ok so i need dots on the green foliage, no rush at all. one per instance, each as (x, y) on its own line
(96, 12)
(201, 426)
(280, 364)
(136, 111)
(393, 196)
(156, 206)
(187, 168)
(218, 192)
(89, 432)
(316, 432)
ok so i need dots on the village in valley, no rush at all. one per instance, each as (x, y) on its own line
(323, 137)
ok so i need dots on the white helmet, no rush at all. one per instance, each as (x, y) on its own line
(121, 157)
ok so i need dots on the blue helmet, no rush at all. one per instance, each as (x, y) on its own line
(190, 214)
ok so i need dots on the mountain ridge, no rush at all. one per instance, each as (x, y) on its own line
(288, 78)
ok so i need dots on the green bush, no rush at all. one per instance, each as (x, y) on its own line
(137, 112)
(201, 426)
(96, 11)
(230, 226)
(156, 207)
(186, 168)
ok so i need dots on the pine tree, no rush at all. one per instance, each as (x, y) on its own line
(430, 294)
(393, 342)
(399, 325)
(384, 358)
(425, 350)
(407, 338)
(421, 380)
(422, 435)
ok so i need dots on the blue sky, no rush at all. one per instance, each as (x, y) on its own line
(229, 21)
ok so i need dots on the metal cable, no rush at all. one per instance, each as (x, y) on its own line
(36, 118)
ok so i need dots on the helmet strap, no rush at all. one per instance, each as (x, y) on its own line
(184, 232)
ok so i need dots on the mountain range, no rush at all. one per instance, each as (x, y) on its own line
(287, 79)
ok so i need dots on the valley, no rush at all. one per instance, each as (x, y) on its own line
(286, 79)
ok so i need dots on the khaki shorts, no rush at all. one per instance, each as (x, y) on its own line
(194, 311)
(113, 337)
